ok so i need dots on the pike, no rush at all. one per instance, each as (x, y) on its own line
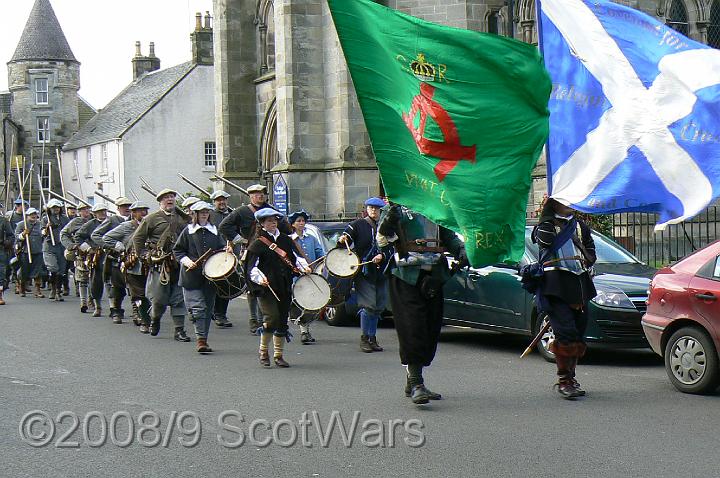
(146, 186)
(62, 198)
(62, 181)
(22, 198)
(43, 201)
(192, 183)
(135, 196)
(79, 199)
(231, 184)
(107, 198)
(148, 189)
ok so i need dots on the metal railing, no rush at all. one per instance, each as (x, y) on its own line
(635, 231)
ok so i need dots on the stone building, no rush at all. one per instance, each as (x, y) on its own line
(161, 124)
(43, 80)
(286, 108)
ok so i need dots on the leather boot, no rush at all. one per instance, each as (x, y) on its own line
(419, 395)
(53, 289)
(38, 292)
(372, 340)
(431, 395)
(180, 335)
(22, 288)
(264, 358)
(278, 345)
(17, 286)
(58, 288)
(580, 349)
(98, 308)
(2, 300)
(202, 346)
(564, 354)
(136, 314)
(154, 326)
(65, 285)
(365, 344)
(117, 318)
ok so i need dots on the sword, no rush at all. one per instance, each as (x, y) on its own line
(537, 338)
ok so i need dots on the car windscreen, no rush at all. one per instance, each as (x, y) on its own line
(607, 251)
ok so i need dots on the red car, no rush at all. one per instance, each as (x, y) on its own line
(682, 322)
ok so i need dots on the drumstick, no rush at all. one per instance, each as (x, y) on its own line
(200, 259)
(273, 292)
(347, 245)
(361, 264)
(316, 261)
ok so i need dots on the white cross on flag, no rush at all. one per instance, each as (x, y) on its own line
(634, 112)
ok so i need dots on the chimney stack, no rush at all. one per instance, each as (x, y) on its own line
(144, 64)
(202, 40)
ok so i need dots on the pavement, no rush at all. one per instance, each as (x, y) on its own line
(224, 414)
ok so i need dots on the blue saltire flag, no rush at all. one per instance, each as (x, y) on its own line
(634, 112)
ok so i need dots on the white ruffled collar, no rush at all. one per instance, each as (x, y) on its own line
(193, 228)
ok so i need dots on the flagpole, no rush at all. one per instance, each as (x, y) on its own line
(538, 25)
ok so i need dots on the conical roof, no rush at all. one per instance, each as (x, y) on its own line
(43, 38)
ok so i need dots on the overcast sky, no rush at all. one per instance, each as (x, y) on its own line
(102, 35)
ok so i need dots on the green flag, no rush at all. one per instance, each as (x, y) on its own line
(457, 120)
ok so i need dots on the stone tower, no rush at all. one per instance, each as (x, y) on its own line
(44, 79)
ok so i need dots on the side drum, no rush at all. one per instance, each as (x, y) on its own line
(222, 269)
(311, 292)
(339, 287)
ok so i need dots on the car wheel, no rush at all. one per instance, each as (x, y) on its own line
(544, 342)
(691, 361)
(336, 315)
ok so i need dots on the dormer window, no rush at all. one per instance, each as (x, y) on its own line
(41, 91)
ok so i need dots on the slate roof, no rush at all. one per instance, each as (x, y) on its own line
(43, 38)
(129, 106)
(85, 111)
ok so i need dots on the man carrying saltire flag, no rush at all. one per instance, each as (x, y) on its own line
(457, 120)
(634, 112)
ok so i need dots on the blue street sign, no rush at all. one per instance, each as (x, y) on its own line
(280, 195)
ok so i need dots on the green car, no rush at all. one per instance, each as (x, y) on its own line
(492, 298)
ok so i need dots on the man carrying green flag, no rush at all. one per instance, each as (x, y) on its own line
(456, 118)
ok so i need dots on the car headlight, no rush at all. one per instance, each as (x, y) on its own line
(609, 296)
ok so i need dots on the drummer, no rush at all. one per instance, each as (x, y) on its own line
(370, 282)
(311, 250)
(272, 261)
(194, 243)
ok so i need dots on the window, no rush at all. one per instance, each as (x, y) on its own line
(677, 18)
(41, 91)
(265, 18)
(210, 154)
(493, 20)
(45, 176)
(43, 129)
(88, 163)
(104, 159)
(713, 31)
(75, 166)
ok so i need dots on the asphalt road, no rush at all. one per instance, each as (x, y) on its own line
(499, 417)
